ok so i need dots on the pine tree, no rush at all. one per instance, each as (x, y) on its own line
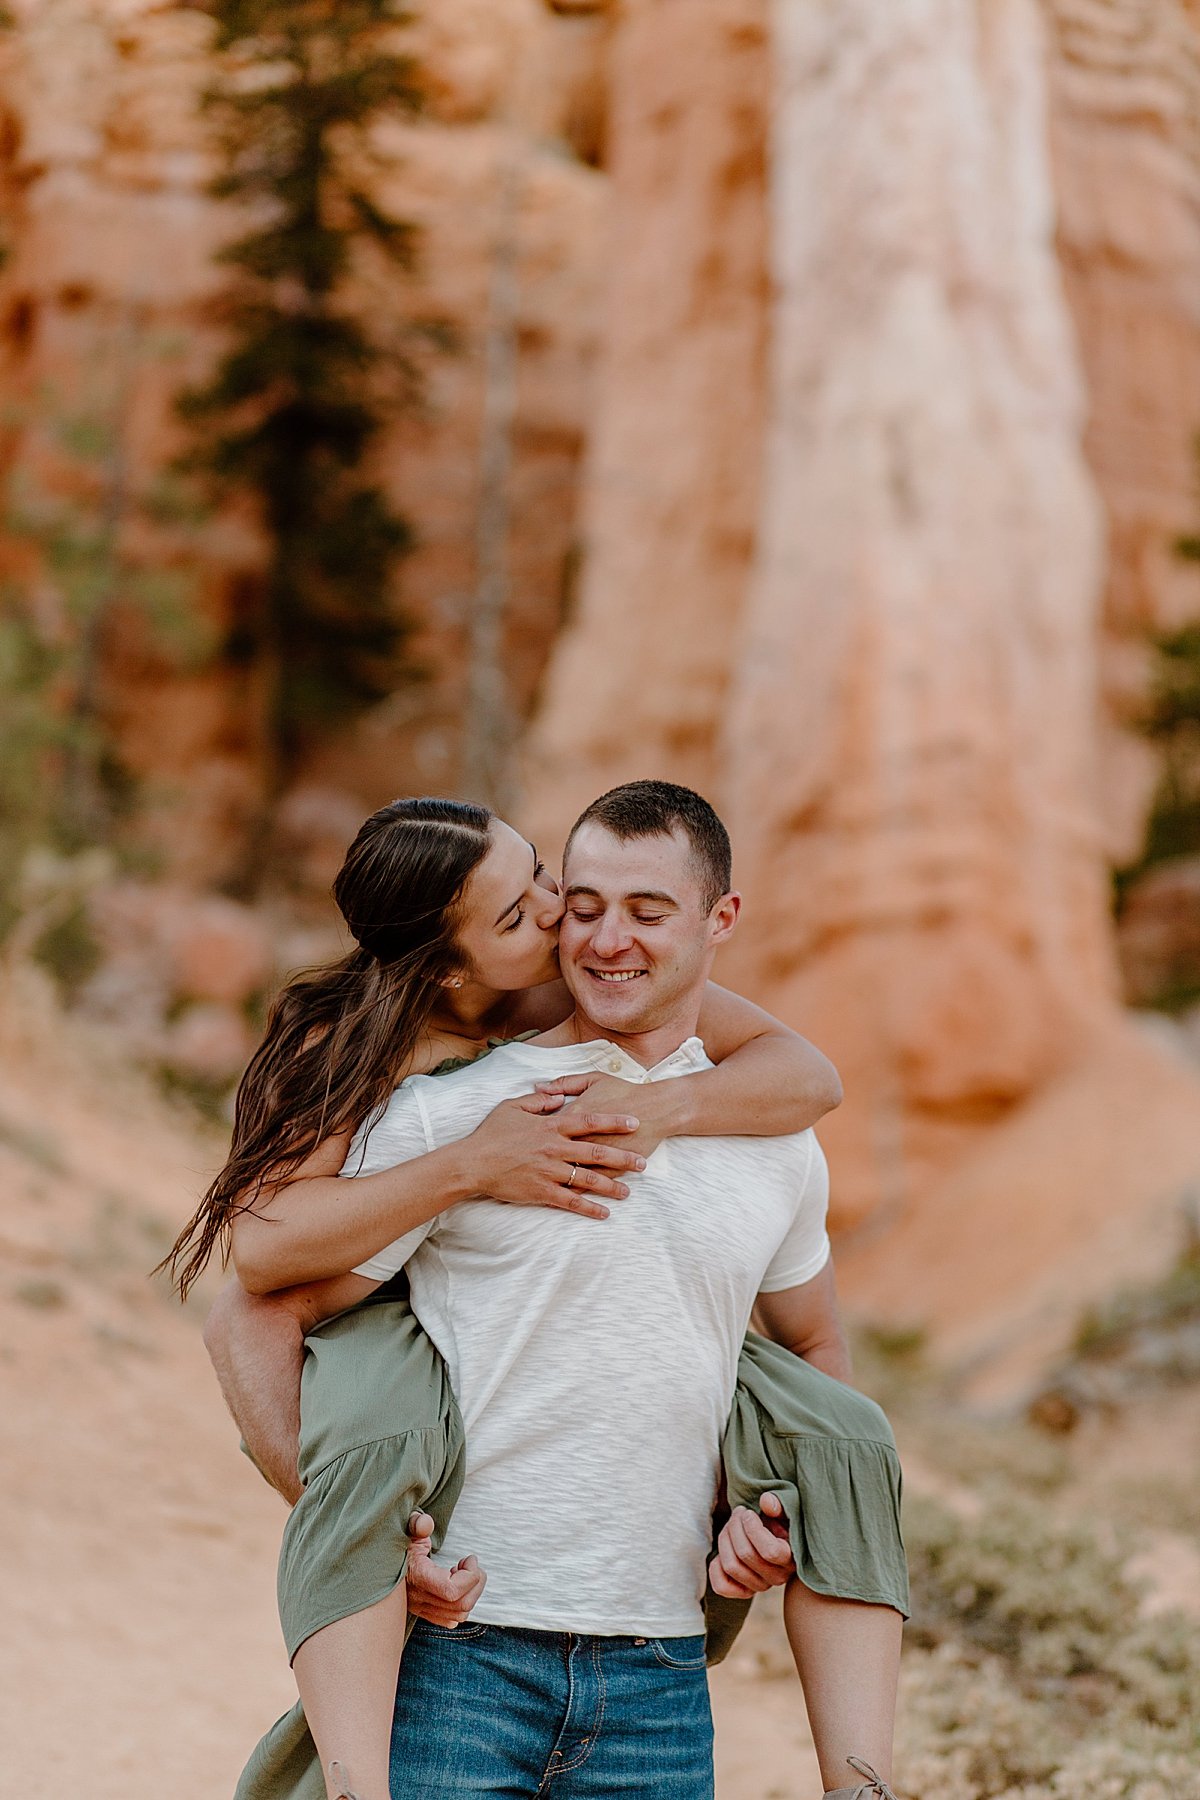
(1171, 720)
(1173, 723)
(300, 395)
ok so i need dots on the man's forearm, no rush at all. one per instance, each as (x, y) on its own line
(328, 1225)
(257, 1350)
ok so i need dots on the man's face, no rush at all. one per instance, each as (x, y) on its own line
(637, 939)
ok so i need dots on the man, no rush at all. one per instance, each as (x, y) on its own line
(595, 1373)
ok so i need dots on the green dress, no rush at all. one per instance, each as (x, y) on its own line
(381, 1437)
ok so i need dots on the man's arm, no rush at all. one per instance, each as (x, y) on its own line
(256, 1343)
(753, 1552)
(807, 1321)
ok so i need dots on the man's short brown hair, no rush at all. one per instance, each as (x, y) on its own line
(641, 809)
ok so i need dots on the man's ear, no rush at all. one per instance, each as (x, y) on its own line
(723, 918)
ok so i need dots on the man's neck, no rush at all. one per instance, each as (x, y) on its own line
(646, 1047)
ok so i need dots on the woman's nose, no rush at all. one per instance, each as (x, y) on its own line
(551, 908)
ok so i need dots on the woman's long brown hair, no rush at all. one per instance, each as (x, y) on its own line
(338, 1038)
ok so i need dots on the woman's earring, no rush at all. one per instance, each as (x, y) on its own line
(456, 981)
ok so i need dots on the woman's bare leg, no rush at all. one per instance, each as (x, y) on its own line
(848, 1659)
(346, 1674)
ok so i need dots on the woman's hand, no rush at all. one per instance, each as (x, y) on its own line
(535, 1151)
(657, 1104)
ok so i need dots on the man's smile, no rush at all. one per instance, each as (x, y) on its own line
(616, 974)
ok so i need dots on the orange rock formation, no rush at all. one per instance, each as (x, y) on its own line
(911, 729)
(893, 690)
(640, 678)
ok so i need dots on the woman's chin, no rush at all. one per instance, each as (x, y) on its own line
(547, 970)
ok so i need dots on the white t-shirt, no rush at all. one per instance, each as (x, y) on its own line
(595, 1361)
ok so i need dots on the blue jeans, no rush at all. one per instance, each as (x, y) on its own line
(490, 1710)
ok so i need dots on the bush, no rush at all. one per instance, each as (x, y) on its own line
(1033, 1673)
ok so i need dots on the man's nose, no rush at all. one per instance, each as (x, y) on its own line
(611, 937)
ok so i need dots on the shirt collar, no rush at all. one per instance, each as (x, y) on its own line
(610, 1059)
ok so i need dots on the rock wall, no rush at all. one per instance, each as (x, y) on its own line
(111, 235)
(912, 729)
(901, 694)
(1125, 139)
(640, 675)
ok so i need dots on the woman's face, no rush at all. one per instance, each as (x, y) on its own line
(510, 914)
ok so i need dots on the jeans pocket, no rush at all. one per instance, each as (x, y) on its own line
(450, 1633)
(679, 1652)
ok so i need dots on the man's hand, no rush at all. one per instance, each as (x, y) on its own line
(753, 1552)
(443, 1596)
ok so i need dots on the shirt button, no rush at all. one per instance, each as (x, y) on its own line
(614, 1065)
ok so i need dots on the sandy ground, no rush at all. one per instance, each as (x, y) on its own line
(140, 1656)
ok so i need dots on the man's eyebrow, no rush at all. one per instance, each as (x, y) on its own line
(519, 897)
(641, 894)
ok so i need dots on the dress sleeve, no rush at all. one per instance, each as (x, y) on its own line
(805, 1248)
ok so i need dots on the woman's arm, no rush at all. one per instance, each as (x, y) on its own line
(768, 1081)
(525, 1152)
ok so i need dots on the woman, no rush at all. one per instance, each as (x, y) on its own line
(455, 923)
